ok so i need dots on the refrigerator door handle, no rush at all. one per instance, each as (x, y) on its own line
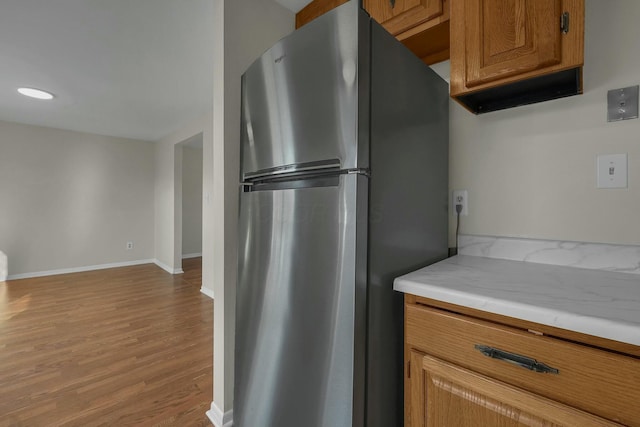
(304, 179)
(293, 169)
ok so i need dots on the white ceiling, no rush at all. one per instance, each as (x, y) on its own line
(294, 5)
(130, 68)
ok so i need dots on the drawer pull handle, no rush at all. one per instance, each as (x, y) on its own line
(516, 359)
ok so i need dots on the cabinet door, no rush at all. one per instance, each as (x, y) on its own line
(397, 16)
(508, 37)
(454, 396)
(414, 411)
(314, 9)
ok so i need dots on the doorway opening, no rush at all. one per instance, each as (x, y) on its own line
(189, 179)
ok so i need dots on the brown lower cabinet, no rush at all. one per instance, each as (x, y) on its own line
(476, 369)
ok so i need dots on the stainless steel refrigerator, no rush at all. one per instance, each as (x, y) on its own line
(344, 168)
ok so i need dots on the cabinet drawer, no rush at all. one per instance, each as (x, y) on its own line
(594, 380)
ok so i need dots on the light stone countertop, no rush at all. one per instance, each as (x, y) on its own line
(595, 302)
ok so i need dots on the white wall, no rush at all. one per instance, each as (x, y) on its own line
(164, 206)
(244, 29)
(71, 199)
(530, 171)
(191, 200)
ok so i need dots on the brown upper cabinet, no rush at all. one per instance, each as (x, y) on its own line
(315, 9)
(421, 25)
(506, 53)
(398, 16)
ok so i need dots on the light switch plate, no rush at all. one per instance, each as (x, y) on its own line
(612, 171)
(622, 104)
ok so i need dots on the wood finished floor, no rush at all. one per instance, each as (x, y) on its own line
(118, 347)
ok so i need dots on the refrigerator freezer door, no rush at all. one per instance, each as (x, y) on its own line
(295, 307)
(300, 98)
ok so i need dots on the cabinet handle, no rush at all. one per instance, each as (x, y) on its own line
(564, 23)
(392, 3)
(516, 359)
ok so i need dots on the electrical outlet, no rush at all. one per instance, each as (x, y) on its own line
(129, 246)
(460, 197)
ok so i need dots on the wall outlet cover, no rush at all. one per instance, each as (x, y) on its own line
(622, 104)
(460, 197)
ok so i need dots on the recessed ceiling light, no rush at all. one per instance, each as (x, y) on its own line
(35, 93)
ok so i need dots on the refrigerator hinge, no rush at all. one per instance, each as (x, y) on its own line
(359, 171)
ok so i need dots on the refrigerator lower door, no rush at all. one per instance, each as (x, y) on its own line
(295, 306)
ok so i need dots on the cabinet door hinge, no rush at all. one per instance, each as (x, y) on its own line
(564, 23)
(409, 369)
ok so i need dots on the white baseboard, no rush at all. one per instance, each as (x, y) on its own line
(208, 292)
(187, 256)
(218, 418)
(166, 268)
(78, 269)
